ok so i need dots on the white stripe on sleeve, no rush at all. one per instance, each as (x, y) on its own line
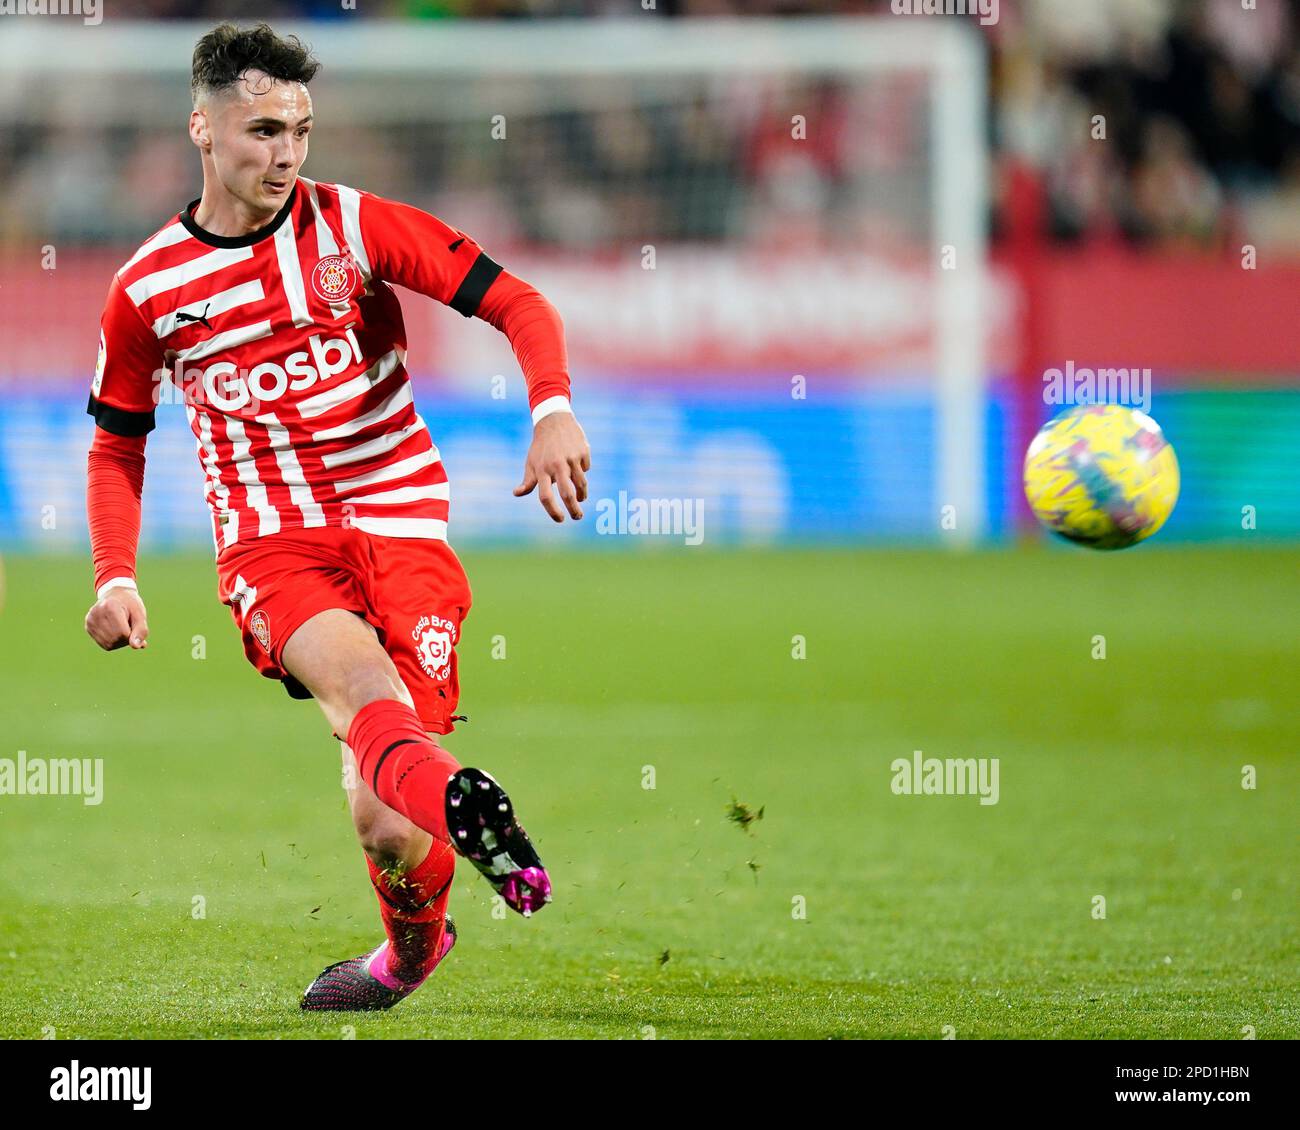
(350, 205)
(295, 290)
(325, 244)
(173, 233)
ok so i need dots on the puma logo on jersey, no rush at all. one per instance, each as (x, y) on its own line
(182, 316)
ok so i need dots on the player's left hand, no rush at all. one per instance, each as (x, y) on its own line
(558, 457)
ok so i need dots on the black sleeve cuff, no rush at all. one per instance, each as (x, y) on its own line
(474, 286)
(119, 421)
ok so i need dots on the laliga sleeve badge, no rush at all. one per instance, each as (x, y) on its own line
(335, 279)
(260, 626)
(100, 362)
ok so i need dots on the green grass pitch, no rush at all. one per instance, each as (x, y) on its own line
(1119, 777)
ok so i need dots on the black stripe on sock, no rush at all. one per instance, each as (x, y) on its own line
(474, 286)
(423, 906)
(374, 778)
(418, 906)
(383, 895)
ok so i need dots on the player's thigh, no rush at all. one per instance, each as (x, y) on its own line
(338, 657)
(273, 585)
(422, 596)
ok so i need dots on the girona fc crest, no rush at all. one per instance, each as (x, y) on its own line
(434, 638)
(260, 626)
(335, 278)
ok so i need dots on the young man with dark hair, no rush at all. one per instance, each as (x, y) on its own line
(268, 303)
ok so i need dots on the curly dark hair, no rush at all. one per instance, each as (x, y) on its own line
(227, 51)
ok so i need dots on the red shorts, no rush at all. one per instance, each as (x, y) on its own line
(412, 590)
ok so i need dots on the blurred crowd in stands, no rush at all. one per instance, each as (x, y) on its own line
(1200, 106)
(1144, 122)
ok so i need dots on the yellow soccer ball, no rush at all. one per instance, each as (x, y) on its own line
(1101, 475)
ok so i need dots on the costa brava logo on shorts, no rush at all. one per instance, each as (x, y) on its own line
(434, 638)
(335, 278)
(229, 388)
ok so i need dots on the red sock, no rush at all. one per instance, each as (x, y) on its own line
(414, 909)
(399, 761)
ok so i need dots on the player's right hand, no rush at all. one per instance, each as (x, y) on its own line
(118, 619)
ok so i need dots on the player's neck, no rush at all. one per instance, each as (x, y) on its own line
(221, 214)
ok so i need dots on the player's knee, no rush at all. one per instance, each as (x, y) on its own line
(374, 684)
(386, 837)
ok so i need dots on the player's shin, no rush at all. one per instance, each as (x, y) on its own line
(404, 767)
(413, 905)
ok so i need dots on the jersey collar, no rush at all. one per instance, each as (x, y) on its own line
(205, 236)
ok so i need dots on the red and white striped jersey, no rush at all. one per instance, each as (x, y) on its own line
(289, 349)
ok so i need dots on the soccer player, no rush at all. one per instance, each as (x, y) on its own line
(267, 302)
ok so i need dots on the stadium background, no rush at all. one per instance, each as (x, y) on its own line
(774, 258)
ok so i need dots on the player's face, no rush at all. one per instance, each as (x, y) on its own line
(259, 139)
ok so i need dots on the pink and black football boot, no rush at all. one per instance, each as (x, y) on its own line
(482, 825)
(361, 984)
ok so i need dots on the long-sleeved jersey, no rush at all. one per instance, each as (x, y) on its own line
(289, 350)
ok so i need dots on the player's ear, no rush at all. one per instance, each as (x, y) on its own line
(200, 130)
